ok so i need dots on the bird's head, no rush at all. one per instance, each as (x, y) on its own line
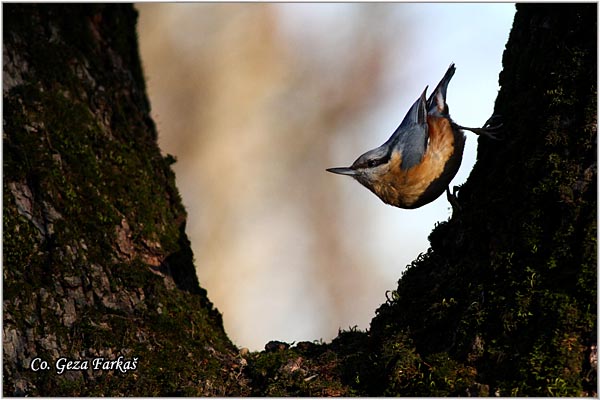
(404, 149)
(370, 167)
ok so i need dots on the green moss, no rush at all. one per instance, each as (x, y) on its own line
(498, 298)
(79, 138)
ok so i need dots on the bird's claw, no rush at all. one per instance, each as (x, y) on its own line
(492, 126)
(491, 132)
(452, 199)
(489, 124)
(489, 129)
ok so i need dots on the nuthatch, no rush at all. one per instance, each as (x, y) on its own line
(418, 161)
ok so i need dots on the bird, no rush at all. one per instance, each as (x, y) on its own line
(416, 164)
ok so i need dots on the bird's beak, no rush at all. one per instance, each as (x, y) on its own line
(342, 171)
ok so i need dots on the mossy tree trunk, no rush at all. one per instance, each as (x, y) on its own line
(504, 301)
(508, 287)
(96, 260)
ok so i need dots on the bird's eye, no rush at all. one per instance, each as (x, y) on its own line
(373, 163)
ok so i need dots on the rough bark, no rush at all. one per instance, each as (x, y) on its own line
(97, 263)
(96, 259)
(504, 301)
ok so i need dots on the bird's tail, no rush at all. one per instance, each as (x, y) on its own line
(436, 104)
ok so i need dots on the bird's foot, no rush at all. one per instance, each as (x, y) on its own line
(489, 129)
(452, 199)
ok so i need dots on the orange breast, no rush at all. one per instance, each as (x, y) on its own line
(405, 188)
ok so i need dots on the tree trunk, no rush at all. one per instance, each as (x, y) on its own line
(504, 301)
(97, 264)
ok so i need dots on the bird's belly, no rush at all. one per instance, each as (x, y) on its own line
(420, 186)
(427, 180)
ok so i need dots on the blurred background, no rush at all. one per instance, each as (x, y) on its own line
(255, 100)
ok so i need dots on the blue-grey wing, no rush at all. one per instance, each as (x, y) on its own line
(410, 139)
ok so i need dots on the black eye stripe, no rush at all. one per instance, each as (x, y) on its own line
(376, 161)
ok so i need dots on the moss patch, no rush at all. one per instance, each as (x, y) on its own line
(96, 259)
